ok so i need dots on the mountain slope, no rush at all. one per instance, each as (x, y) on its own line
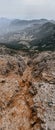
(27, 90)
(30, 35)
(46, 38)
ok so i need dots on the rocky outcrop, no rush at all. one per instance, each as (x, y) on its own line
(12, 64)
(43, 63)
(27, 91)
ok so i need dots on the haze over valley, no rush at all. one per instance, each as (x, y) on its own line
(30, 34)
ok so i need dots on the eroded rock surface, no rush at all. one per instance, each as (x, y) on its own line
(27, 91)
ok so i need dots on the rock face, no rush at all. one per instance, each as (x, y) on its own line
(10, 64)
(27, 91)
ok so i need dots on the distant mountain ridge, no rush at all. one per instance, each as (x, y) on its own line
(28, 34)
(26, 22)
(13, 25)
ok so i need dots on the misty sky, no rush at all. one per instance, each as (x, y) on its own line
(27, 9)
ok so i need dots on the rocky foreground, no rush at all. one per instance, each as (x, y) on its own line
(27, 90)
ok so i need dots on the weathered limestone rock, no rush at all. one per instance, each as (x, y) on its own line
(27, 91)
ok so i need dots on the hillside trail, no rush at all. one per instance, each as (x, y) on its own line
(18, 112)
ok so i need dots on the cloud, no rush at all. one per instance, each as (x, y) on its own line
(27, 9)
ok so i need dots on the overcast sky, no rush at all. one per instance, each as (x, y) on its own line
(27, 9)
